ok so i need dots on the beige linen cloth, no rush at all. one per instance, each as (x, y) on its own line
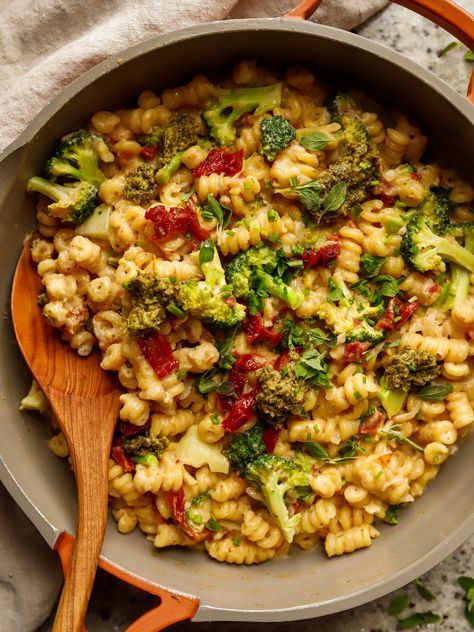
(44, 45)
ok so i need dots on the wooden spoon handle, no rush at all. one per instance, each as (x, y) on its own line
(92, 488)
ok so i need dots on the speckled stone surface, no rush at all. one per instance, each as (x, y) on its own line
(115, 605)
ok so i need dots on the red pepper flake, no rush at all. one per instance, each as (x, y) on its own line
(371, 423)
(175, 221)
(416, 176)
(270, 438)
(127, 429)
(240, 411)
(220, 161)
(157, 350)
(353, 351)
(329, 252)
(434, 289)
(257, 332)
(122, 459)
(399, 310)
(148, 153)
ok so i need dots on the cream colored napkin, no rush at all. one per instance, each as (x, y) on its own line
(44, 45)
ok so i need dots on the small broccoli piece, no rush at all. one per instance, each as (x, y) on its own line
(391, 400)
(240, 269)
(341, 104)
(181, 132)
(345, 182)
(73, 202)
(140, 186)
(210, 299)
(164, 174)
(276, 133)
(425, 246)
(222, 116)
(349, 321)
(252, 272)
(77, 157)
(280, 395)
(409, 368)
(279, 479)
(246, 447)
(456, 289)
(149, 294)
(143, 445)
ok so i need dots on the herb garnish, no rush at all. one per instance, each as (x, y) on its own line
(435, 392)
(315, 141)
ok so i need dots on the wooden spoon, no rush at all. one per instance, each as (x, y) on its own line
(85, 399)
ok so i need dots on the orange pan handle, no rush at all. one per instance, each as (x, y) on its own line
(444, 13)
(173, 608)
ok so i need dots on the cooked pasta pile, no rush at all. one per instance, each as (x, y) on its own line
(284, 290)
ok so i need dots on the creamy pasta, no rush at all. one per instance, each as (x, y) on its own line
(284, 290)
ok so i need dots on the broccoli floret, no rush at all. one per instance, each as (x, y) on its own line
(148, 294)
(181, 132)
(409, 368)
(280, 395)
(251, 272)
(279, 480)
(164, 174)
(340, 104)
(222, 116)
(349, 319)
(77, 157)
(140, 186)
(210, 299)
(427, 244)
(246, 447)
(276, 133)
(345, 182)
(71, 202)
(144, 445)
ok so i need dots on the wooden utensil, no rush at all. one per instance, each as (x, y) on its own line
(85, 399)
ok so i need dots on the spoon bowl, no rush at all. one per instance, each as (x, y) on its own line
(85, 399)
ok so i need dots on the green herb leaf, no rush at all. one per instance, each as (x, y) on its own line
(206, 252)
(393, 433)
(418, 618)
(236, 542)
(435, 392)
(226, 357)
(467, 584)
(447, 48)
(398, 604)
(424, 591)
(312, 367)
(371, 264)
(388, 285)
(317, 337)
(315, 141)
(214, 209)
(335, 293)
(391, 515)
(197, 500)
(469, 55)
(309, 195)
(208, 381)
(335, 198)
(317, 450)
(213, 525)
(350, 448)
